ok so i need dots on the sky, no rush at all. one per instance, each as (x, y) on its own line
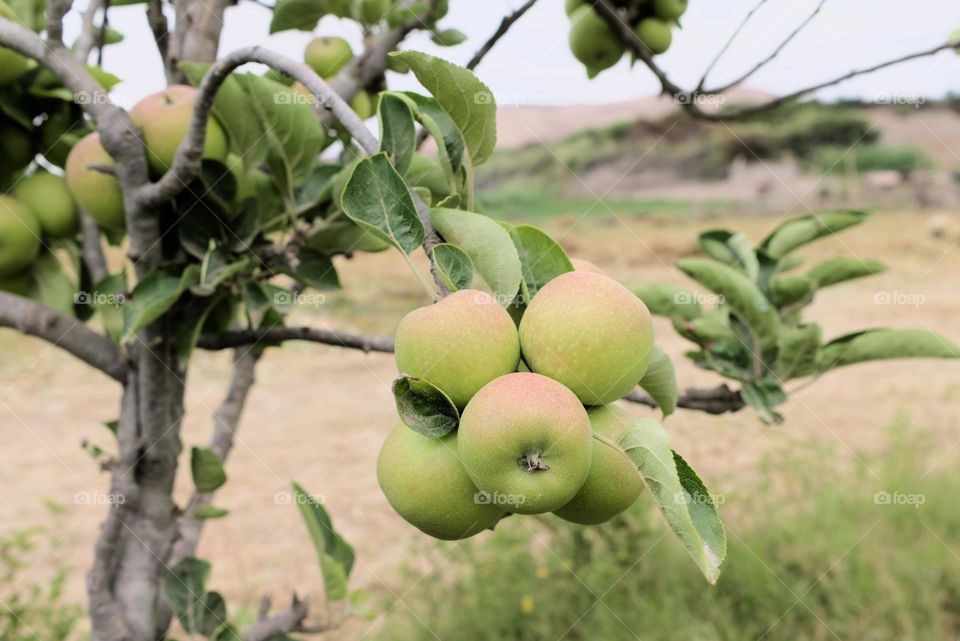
(532, 64)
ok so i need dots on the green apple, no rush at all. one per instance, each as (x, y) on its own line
(569, 6)
(327, 55)
(16, 147)
(20, 283)
(363, 104)
(613, 485)
(49, 198)
(655, 34)
(590, 333)
(610, 421)
(370, 12)
(525, 441)
(12, 65)
(458, 344)
(19, 236)
(581, 265)
(164, 118)
(669, 9)
(96, 192)
(426, 171)
(426, 484)
(592, 42)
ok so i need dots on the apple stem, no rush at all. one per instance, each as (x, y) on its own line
(532, 462)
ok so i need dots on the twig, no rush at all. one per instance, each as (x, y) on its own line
(501, 31)
(766, 60)
(723, 50)
(92, 250)
(228, 340)
(65, 332)
(160, 29)
(715, 400)
(84, 44)
(289, 620)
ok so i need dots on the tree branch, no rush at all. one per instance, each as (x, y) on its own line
(289, 620)
(160, 29)
(88, 33)
(733, 37)
(65, 332)
(766, 60)
(226, 421)
(715, 400)
(239, 338)
(687, 99)
(92, 250)
(501, 31)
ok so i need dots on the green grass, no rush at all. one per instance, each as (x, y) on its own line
(533, 204)
(817, 558)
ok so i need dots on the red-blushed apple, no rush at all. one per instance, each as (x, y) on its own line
(96, 192)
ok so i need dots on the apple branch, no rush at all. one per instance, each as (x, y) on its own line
(501, 31)
(65, 332)
(239, 338)
(714, 400)
(89, 33)
(91, 250)
(280, 624)
(687, 99)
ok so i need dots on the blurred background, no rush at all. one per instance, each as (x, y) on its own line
(842, 521)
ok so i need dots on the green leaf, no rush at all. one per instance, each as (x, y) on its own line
(189, 331)
(424, 408)
(377, 198)
(838, 270)
(442, 128)
(806, 229)
(687, 505)
(335, 555)
(454, 266)
(541, 258)
(740, 294)
(313, 269)
(205, 512)
(664, 299)
(154, 295)
(398, 135)
(227, 633)
(797, 351)
(732, 249)
(199, 611)
(52, 286)
(108, 299)
(660, 382)
(468, 101)
(207, 469)
(217, 267)
(448, 37)
(882, 344)
(488, 245)
(297, 14)
(764, 397)
(790, 290)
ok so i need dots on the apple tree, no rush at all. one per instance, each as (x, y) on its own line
(231, 190)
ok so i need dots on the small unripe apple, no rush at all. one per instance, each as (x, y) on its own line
(610, 421)
(20, 284)
(12, 65)
(458, 344)
(613, 485)
(164, 118)
(591, 40)
(327, 55)
(669, 9)
(581, 265)
(655, 34)
(16, 147)
(19, 236)
(50, 200)
(590, 333)
(370, 12)
(525, 440)
(569, 6)
(426, 484)
(97, 193)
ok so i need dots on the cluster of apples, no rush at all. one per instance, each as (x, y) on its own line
(164, 118)
(538, 430)
(599, 47)
(40, 207)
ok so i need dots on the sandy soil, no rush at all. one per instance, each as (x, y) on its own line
(319, 414)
